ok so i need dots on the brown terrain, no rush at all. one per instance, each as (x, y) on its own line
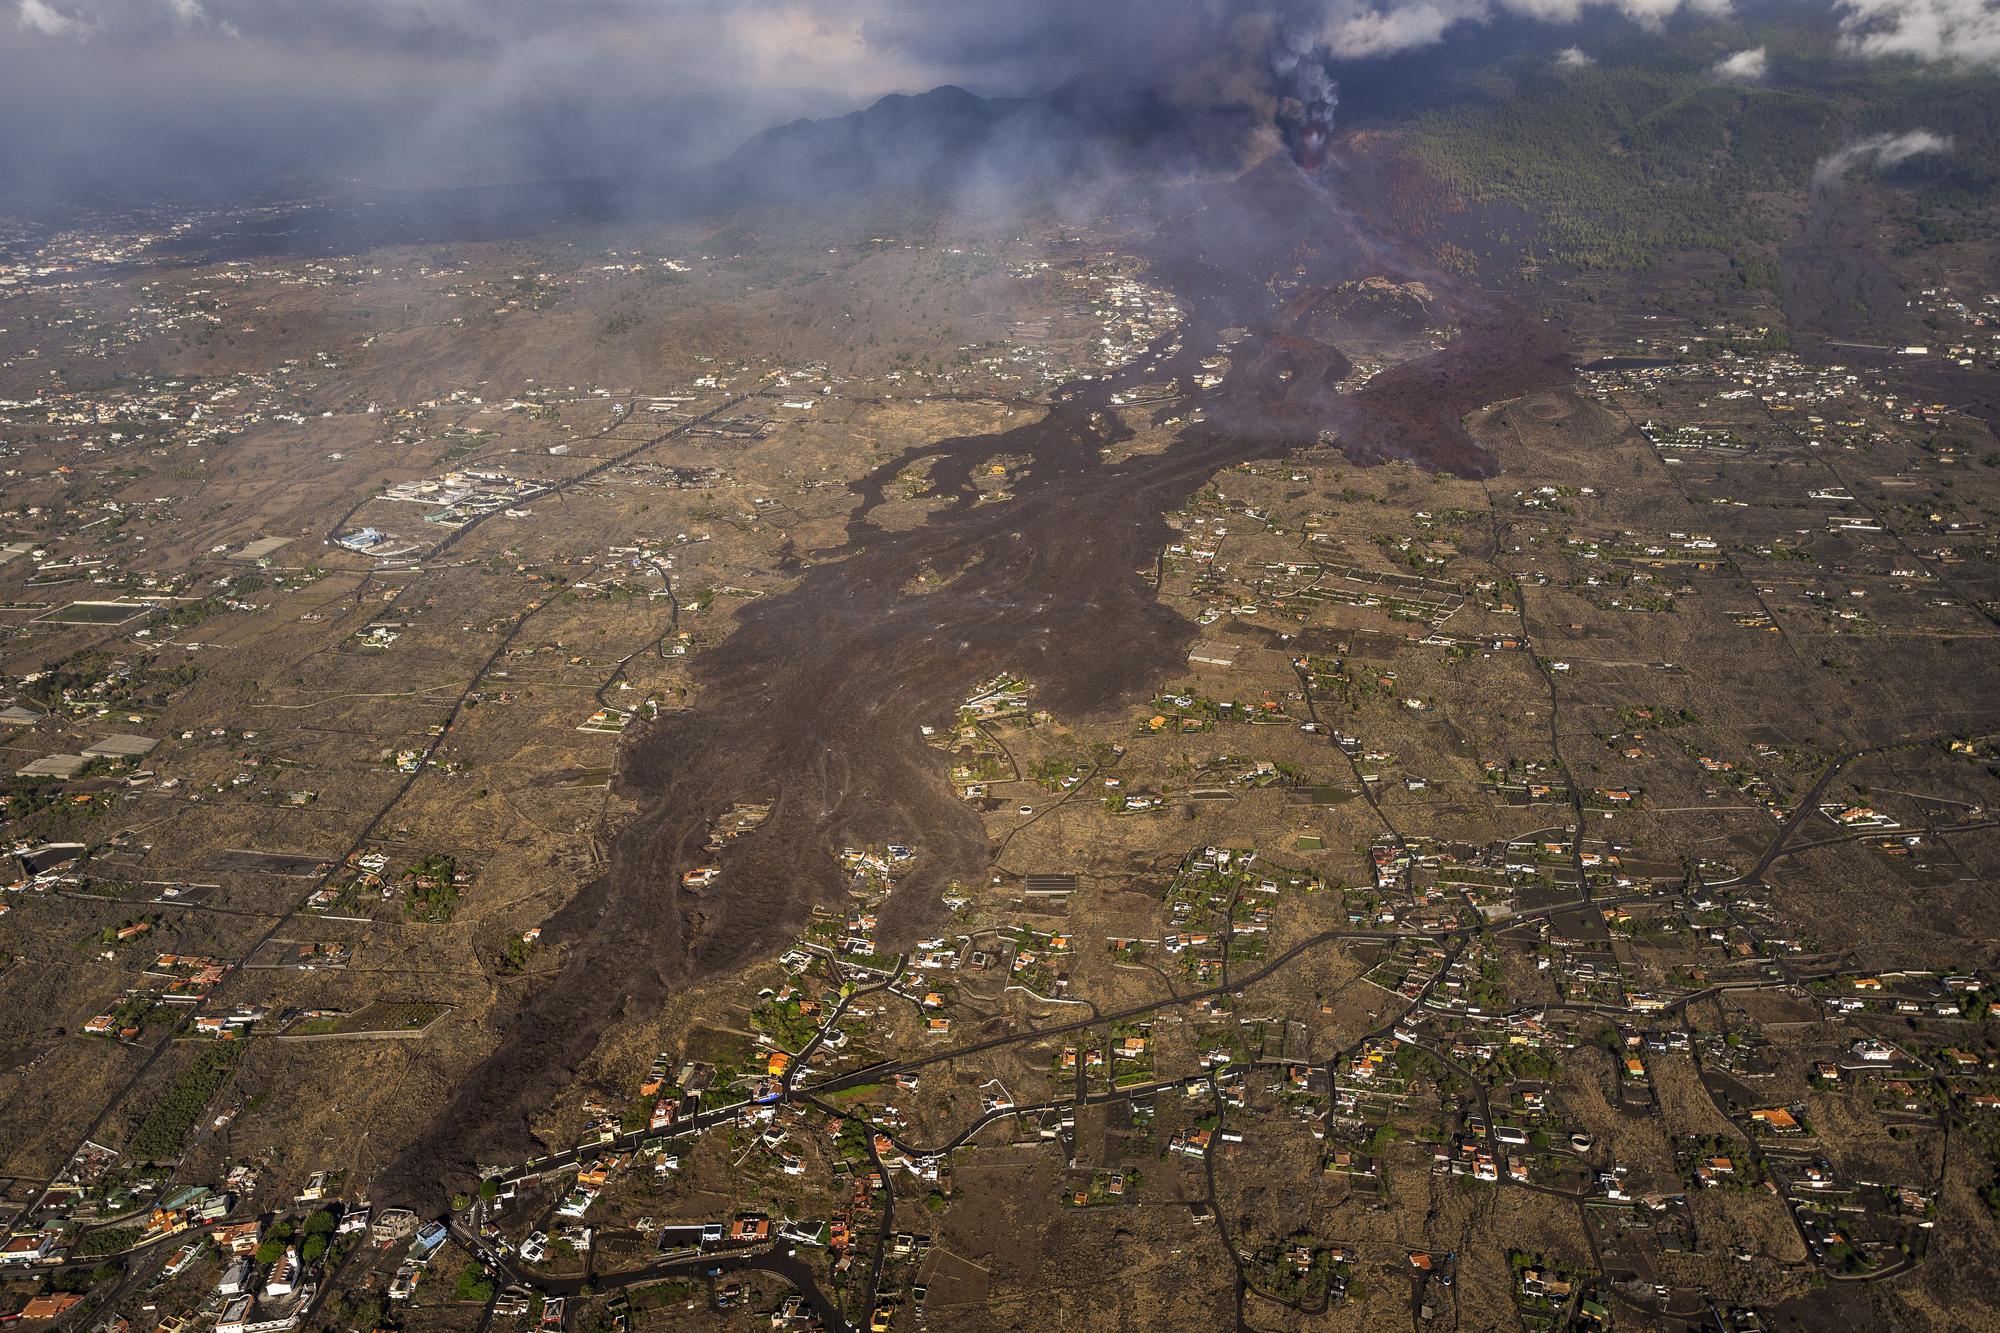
(815, 702)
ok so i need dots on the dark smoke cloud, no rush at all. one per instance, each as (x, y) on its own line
(123, 97)
(1307, 94)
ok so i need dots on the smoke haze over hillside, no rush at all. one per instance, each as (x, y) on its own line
(119, 98)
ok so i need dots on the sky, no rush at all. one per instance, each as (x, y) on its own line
(123, 96)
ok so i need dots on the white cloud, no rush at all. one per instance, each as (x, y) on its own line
(1648, 14)
(1359, 28)
(1653, 14)
(829, 38)
(1878, 152)
(1573, 57)
(1355, 28)
(46, 19)
(1743, 67)
(85, 18)
(1958, 31)
(545, 76)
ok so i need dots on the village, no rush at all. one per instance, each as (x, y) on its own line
(1562, 851)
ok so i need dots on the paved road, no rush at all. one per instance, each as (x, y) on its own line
(780, 1263)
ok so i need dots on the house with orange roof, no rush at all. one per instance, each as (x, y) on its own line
(52, 1306)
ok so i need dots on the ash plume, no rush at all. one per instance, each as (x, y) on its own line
(231, 98)
(1306, 95)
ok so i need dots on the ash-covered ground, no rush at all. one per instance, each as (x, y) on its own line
(815, 702)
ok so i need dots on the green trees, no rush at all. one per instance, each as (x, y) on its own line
(474, 1284)
(433, 889)
(181, 1103)
(1625, 162)
(272, 1247)
(109, 1240)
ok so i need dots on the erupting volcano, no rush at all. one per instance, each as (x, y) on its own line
(1307, 97)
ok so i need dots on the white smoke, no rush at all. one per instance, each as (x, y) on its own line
(1356, 28)
(1877, 152)
(1301, 71)
(1574, 57)
(516, 88)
